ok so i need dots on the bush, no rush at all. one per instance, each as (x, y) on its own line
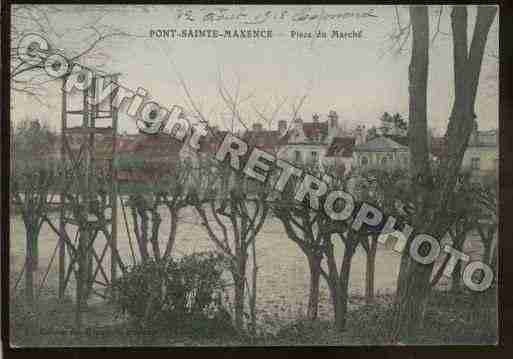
(461, 318)
(34, 325)
(182, 295)
(370, 324)
(450, 318)
(308, 332)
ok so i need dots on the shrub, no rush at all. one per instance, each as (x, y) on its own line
(307, 332)
(183, 295)
(39, 324)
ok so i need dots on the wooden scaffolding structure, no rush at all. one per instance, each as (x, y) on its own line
(88, 203)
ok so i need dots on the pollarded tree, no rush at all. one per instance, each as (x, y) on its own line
(232, 218)
(330, 230)
(382, 189)
(486, 196)
(466, 211)
(32, 190)
(303, 227)
(155, 185)
(378, 188)
(33, 143)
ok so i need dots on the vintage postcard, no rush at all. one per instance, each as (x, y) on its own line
(253, 175)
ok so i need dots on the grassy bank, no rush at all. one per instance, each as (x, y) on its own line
(451, 318)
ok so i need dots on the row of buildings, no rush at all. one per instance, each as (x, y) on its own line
(327, 144)
(321, 142)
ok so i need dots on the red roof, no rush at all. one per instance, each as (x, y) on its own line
(161, 152)
(211, 142)
(263, 139)
(158, 145)
(315, 131)
(341, 147)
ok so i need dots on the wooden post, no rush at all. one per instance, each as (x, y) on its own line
(84, 236)
(62, 224)
(29, 267)
(114, 189)
(80, 279)
(90, 189)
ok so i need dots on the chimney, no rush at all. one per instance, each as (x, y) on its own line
(257, 127)
(282, 127)
(298, 124)
(333, 118)
(359, 135)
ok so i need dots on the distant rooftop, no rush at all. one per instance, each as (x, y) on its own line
(380, 144)
(485, 139)
(263, 139)
(341, 147)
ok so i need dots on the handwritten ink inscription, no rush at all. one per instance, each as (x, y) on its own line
(243, 16)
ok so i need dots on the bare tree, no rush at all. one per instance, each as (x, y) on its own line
(302, 226)
(383, 189)
(82, 43)
(32, 190)
(466, 211)
(338, 278)
(156, 185)
(431, 200)
(232, 219)
(486, 194)
(33, 183)
(269, 117)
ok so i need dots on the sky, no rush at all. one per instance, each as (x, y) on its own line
(359, 78)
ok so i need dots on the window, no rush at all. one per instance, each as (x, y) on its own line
(297, 156)
(474, 164)
(364, 161)
(315, 156)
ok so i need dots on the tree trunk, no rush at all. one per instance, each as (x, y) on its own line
(239, 276)
(404, 268)
(339, 283)
(345, 271)
(334, 286)
(414, 286)
(252, 303)
(29, 265)
(411, 303)
(456, 278)
(144, 233)
(141, 243)
(35, 250)
(337, 302)
(154, 238)
(172, 233)
(239, 301)
(414, 281)
(314, 263)
(370, 271)
(459, 239)
(438, 275)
